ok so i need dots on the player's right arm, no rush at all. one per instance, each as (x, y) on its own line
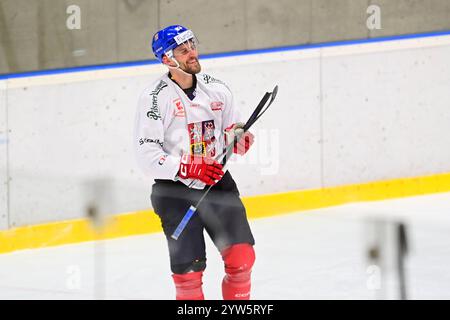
(152, 157)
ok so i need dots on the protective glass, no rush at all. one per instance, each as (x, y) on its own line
(186, 47)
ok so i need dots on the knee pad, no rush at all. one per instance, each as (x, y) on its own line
(194, 266)
(238, 258)
(189, 286)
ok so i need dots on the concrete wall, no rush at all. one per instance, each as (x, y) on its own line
(347, 114)
(34, 35)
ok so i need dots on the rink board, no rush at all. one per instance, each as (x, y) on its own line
(144, 222)
(3, 158)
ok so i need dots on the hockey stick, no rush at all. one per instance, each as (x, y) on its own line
(257, 113)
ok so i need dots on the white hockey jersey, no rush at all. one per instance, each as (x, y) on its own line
(169, 124)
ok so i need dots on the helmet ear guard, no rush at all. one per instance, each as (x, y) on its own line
(169, 53)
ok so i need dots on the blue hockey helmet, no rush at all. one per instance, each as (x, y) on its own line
(167, 39)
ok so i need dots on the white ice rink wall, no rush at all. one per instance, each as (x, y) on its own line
(3, 159)
(344, 114)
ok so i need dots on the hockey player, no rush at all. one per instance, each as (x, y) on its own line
(184, 121)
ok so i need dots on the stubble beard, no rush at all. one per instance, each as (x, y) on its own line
(192, 68)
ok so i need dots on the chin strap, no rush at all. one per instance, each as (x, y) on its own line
(177, 67)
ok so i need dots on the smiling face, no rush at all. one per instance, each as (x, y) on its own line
(186, 55)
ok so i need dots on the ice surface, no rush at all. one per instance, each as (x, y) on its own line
(319, 254)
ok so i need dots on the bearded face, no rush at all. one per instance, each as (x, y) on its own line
(186, 55)
(191, 66)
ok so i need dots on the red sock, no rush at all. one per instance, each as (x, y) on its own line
(189, 286)
(239, 260)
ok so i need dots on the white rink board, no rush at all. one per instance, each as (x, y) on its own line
(379, 107)
(3, 159)
(391, 118)
(82, 133)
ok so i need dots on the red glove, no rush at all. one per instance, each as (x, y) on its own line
(245, 141)
(202, 168)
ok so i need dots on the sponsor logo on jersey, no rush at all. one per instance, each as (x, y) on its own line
(195, 105)
(154, 114)
(179, 108)
(216, 106)
(162, 159)
(202, 138)
(148, 140)
(208, 79)
(154, 110)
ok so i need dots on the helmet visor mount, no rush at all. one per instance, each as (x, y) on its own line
(184, 43)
